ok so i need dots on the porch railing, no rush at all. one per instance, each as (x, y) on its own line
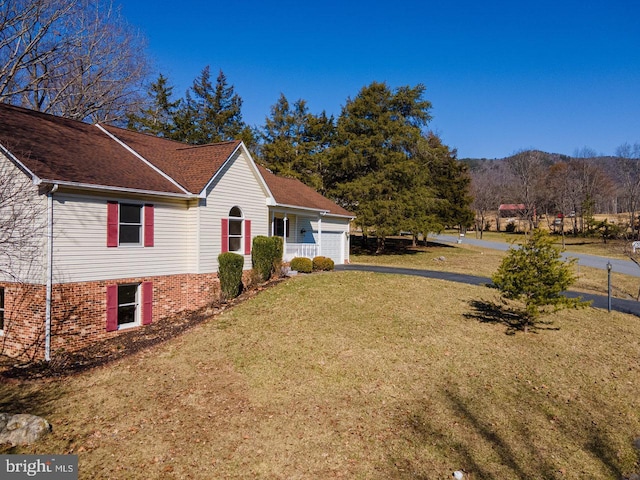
(292, 250)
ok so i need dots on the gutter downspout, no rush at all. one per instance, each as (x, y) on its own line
(47, 324)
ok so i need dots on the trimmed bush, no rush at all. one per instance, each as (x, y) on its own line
(262, 256)
(324, 264)
(230, 274)
(278, 252)
(302, 265)
(266, 255)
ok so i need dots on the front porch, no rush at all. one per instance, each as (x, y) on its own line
(309, 234)
(308, 250)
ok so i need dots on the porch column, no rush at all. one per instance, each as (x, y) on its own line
(285, 220)
(272, 228)
(319, 236)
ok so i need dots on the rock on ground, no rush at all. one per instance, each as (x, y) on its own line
(22, 428)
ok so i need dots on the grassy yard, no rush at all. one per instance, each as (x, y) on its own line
(586, 245)
(484, 262)
(360, 376)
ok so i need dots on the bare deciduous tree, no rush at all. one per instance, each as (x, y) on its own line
(23, 220)
(74, 58)
(485, 189)
(527, 169)
(629, 174)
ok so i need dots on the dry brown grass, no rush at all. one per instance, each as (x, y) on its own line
(484, 262)
(357, 375)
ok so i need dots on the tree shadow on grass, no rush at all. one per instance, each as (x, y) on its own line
(515, 445)
(514, 319)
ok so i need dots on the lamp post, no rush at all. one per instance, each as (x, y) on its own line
(609, 286)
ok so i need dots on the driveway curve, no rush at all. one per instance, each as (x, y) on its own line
(626, 267)
(597, 301)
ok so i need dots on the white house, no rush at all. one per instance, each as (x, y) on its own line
(125, 228)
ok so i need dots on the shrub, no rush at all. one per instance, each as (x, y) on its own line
(510, 228)
(266, 255)
(323, 264)
(536, 275)
(230, 274)
(302, 265)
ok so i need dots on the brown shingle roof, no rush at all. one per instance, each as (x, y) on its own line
(289, 191)
(192, 166)
(64, 150)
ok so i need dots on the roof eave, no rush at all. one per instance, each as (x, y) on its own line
(109, 188)
(319, 211)
(7, 153)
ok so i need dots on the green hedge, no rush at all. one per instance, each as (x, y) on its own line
(230, 274)
(321, 263)
(266, 255)
(302, 265)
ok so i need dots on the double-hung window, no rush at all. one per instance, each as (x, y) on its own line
(236, 233)
(130, 224)
(235, 229)
(129, 305)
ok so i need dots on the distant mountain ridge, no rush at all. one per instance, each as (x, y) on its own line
(605, 161)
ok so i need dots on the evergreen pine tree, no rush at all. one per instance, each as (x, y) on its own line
(211, 113)
(294, 142)
(535, 275)
(373, 167)
(158, 117)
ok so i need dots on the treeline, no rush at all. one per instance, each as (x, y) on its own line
(81, 59)
(377, 159)
(573, 189)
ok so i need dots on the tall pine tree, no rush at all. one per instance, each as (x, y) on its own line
(372, 168)
(158, 116)
(211, 113)
(294, 142)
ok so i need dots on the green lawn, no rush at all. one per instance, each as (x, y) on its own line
(360, 376)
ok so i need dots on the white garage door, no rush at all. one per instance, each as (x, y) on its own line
(333, 246)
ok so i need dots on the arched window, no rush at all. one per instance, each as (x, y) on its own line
(235, 230)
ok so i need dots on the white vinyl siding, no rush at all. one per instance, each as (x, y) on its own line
(80, 241)
(23, 220)
(237, 185)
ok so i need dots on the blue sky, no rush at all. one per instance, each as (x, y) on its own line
(502, 76)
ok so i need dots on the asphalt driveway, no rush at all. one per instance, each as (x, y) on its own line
(598, 301)
(626, 267)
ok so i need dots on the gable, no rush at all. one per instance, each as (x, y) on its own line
(60, 150)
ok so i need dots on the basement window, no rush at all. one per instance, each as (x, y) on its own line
(128, 306)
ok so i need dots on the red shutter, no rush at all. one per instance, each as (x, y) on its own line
(225, 235)
(247, 237)
(148, 225)
(112, 224)
(147, 302)
(112, 308)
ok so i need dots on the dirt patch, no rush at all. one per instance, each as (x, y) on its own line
(125, 344)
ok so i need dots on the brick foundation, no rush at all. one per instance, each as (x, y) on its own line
(78, 311)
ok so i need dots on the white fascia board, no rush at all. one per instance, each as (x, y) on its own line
(252, 163)
(108, 188)
(284, 206)
(34, 178)
(141, 158)
(322, 213)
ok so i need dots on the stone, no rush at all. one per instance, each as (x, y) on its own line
(22, 428)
